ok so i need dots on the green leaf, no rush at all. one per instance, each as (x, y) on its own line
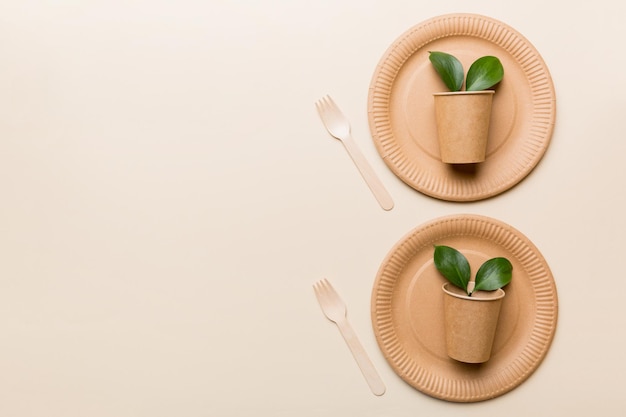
(484, 73)
(449, 69)
(494, 274)
(452, 265)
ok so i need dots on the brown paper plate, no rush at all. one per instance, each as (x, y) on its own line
(407, 310)
(401, 109)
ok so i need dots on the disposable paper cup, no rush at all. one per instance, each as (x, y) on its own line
(463, 119)
(470, 323)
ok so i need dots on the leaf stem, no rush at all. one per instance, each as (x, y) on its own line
(470, 288)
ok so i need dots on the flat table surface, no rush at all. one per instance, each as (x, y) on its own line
(169, 197)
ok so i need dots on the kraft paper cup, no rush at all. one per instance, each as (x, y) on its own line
(470, 323)
(462, 120)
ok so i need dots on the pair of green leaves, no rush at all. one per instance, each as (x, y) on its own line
(484, 73)
(453, 265)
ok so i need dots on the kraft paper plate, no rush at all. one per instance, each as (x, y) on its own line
(401, 109)
(407, 310)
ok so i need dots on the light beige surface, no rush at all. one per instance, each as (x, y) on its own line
(169, 196)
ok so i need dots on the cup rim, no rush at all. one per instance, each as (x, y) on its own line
(478, 295)
(462, 93)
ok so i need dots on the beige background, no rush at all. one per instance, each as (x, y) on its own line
(169, 196)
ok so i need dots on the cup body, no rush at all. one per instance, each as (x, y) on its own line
(470, 323)
(462, 120)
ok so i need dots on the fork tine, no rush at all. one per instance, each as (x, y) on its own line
(335, 121)
(321, 291)
(329, 292)
(319, 105)
(325, 284)
(336, 111)
(331, 103)
(319, 285)
(332, 298)
(329, 300)
(322, 106)
(317, 289)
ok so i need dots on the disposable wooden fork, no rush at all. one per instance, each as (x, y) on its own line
(338, 126)
(335, 310)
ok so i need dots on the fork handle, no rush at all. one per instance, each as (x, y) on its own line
(362, 359)
(372, 180)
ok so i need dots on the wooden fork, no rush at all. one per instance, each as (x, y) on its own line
(335, 310)
(338, 126)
